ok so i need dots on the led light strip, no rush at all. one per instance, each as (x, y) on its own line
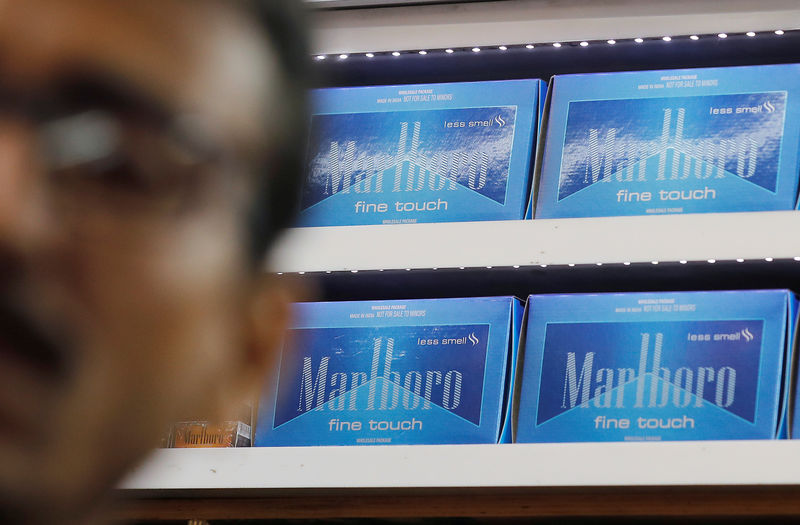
(544, 266)
(532, 46)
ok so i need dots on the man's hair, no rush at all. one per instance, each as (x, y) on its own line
(275, 203)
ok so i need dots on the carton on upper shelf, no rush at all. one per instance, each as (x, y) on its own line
(426, 371)
(420, 153)
(656, 366)
(672, 141)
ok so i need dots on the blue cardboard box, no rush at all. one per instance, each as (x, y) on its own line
(394, 372)
(420, 153)
(656, 366)
(793, 412)
(674, 141)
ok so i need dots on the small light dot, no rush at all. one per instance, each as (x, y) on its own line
(584, 43)
(408, 269)
(712, 261)
(342, 56)
(302, 273)
(751, 34)
(476, 50)
(611, 42)
(653, 262)
(571, 264)
(556, 44)
(599, 264)
(423, 52)
(353, 271)
(627, 263)
(768, 259)
(543, 265)
(722, 35)
(320, 57)
(448, 51)
(434, 268)
(370, 55)
(280, 273)
(683, 262)
(740, 260)
(502, 48)
(694, 37)
(380, 270)
(529, 46)
(779, 32)
(516, 266)
(395, 53)
(328, 271)
(488, 267)
(460, 267)
(638, 40)
(666, 38)
(797, 258)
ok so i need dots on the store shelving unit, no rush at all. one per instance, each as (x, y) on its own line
(471, 480)
(605, 240)
(498, 22)
(745, 250)
(465, 466)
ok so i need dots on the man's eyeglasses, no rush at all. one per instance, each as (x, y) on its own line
(100, 143)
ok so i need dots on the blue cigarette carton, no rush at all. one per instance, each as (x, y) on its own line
(675, 141)
(656, 366)
(394, 372)
(793, 412)
(421, 153)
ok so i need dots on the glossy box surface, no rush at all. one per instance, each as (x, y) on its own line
(420, 153)
(672, 141)
(393, 372)
(655, 366)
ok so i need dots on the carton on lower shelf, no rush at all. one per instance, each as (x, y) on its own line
(424, 371)
(656, 366)
(235, 430)
(203, 434)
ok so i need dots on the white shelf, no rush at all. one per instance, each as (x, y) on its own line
(721, 463)
(699, 237)
(524, 21)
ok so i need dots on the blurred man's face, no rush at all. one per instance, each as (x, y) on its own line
(125, 298)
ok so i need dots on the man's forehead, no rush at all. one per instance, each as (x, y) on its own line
(189, 55)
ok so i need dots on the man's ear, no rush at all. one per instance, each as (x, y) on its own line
(268, 317)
